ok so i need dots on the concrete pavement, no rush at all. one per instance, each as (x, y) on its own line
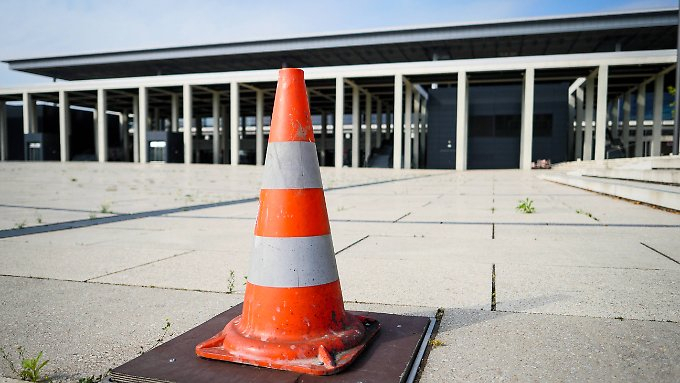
(587, 286)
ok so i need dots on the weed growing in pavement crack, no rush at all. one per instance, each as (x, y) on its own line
(436, 343)
(20, 225)
(526, 206)
(587, 214)
(105, 209)
(30, 367)
(231, 281)
(166, 332)
(93, 378)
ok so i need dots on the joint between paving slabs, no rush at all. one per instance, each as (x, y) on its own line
(136, 266)
(619, 318)
(660, 253)
(351, 244)
(493, 287)
(402, 217)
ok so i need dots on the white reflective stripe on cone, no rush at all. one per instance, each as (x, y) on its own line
(291, 165)
(293, 261)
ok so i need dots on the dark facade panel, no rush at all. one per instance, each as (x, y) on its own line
(494, 125)
(441, 134)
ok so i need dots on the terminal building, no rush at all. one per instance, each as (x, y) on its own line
(469, 96)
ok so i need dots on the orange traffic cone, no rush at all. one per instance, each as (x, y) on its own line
(293, 314)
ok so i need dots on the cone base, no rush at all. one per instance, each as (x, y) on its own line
(324, 364)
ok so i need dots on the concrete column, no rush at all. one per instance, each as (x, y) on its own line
(580, 119)
(28, 112)
(355, 127)
(398, 119)
(367, 133)
(615, 118)
(625, 134)
(640, 124)
(143, 124)
(461, 121)
(187, 120)
(572, 123)
(224, 136)
(95, 124)
(588, 129)
(64, 126)
(124, 136)
(423, 132)
(174, 113)
(322, 144)
(378, 122)
(527, 124)
(416, 130)
(3, 132)
(102, 127)
(408, 120)
(655, 148)
(33, 106)
(601, 118)
(259, 127)
(135, 129)
(338, 134)
(233, 123)
(216, 127)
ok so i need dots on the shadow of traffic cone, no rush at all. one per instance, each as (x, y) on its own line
(293, 315)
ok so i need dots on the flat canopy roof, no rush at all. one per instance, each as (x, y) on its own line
(629, 31)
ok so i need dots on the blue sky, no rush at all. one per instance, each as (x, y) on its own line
(42, 28)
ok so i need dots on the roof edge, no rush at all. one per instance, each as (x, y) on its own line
(350, 34)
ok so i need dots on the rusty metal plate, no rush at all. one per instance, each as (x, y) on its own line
(387, 359)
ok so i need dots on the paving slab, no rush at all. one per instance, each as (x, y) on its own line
(615, 247)
(84, 328)
(484, 346)
(587, 291)
(69, 262)
(438, 283)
